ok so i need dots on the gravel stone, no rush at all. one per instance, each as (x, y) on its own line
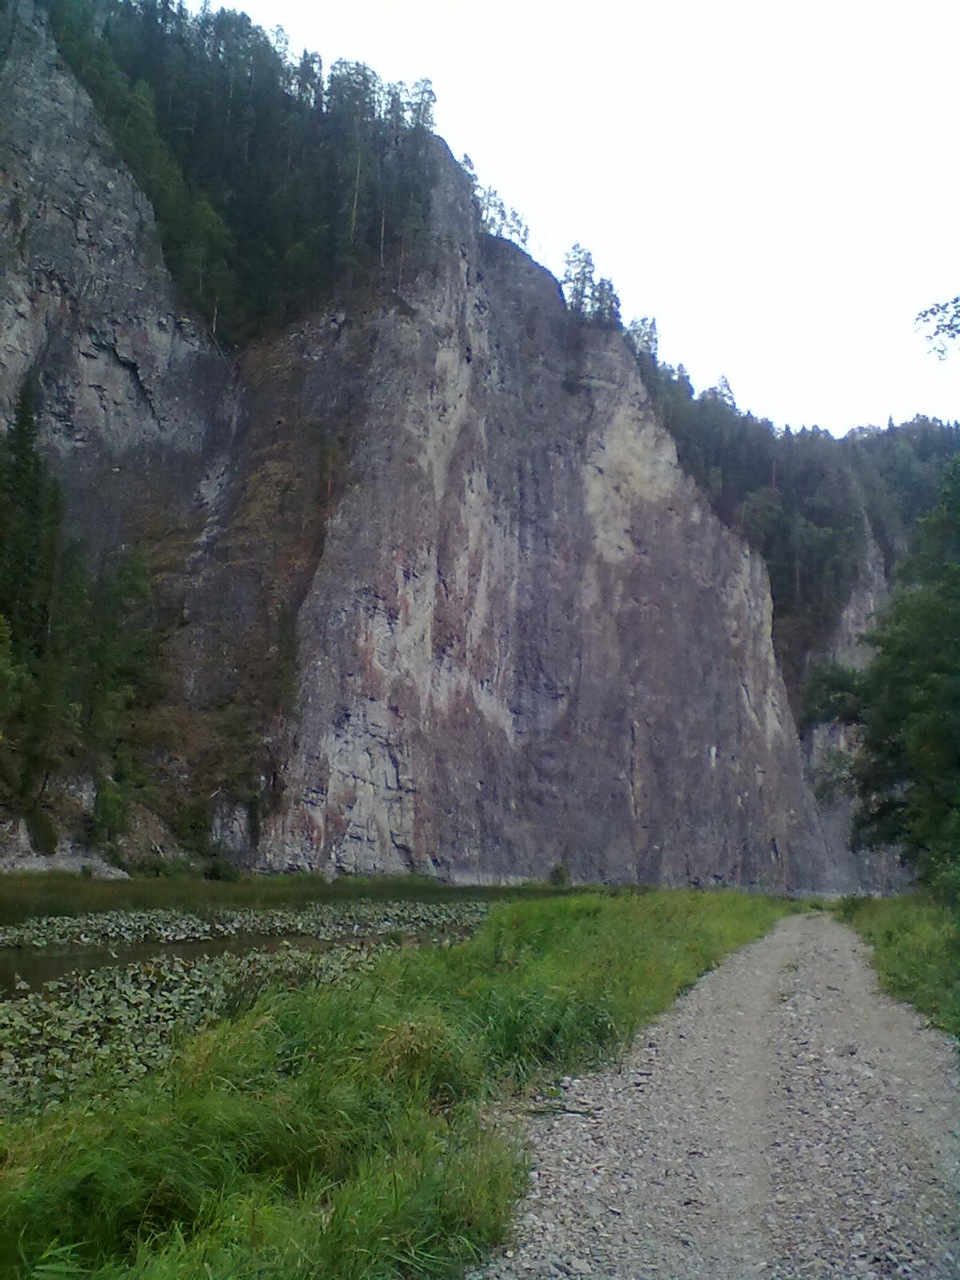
(785, 1120)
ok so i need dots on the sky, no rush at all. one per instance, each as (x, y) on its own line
(777, 182)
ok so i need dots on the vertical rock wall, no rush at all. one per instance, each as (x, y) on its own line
(130, 396)
(524, 641)
(529, 643)
(826, 746)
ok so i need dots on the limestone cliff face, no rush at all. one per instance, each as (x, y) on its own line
(528, 642)
(524, 640)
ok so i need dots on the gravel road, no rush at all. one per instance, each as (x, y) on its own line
(784, 1120)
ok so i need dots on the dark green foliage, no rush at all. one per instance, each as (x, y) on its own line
(271, 187)
(832, 693)
(75, 651)
(56, 894)
(899, 471)
(44, 608)
(908, 763)
(559, 876)
(906, 705)
(587, 298)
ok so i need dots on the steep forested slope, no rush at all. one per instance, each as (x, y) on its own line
(273, 183)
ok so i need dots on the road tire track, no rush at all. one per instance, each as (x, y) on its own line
(785, 1120)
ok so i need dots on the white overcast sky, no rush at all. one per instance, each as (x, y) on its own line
(776, 181)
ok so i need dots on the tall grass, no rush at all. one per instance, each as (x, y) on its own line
(340, 1132)
(916, 950)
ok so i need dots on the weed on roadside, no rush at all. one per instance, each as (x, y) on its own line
(916, 950)
(339, 1131)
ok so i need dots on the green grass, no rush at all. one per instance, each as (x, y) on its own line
(916, 951)
(24, 896)
(339, 1132)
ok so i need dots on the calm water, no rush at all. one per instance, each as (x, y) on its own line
(37, 965)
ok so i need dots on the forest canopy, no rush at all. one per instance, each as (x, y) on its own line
(273, 183)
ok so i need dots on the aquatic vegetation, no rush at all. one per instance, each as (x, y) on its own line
(91, 1033)
(337, 1129)
(326, 920)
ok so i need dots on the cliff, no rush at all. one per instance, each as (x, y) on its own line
(523, 639)
(827, 747)
(132, 398)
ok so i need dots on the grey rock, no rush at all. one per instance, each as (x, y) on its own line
(524, 640)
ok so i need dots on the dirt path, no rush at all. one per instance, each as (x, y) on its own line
(785, 1120)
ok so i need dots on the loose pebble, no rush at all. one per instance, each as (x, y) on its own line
(785, 1120)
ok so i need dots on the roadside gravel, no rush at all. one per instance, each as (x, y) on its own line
(785, 1120)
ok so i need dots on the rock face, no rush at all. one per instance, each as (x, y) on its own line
(528, 642)
(827, 745)
(131, 399)
(860, 613)
(524, 640)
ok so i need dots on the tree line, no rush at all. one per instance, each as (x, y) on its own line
(273, 183)
(77, 652)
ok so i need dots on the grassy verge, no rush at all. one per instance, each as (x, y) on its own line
(916, 951)
(99, 1029)
(338, 1132)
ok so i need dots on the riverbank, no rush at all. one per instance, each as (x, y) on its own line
(339, 1130)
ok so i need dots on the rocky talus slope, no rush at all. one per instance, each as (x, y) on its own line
(785, 1120)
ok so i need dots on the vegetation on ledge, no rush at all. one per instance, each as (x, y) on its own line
(903, 710)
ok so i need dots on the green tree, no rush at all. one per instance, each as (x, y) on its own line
(906, 706)
(578, 281)
(943, 321)
(76, 653)
(496, 219)
(643, 337)
(271, 188)
(605, 305)
(588, 298)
